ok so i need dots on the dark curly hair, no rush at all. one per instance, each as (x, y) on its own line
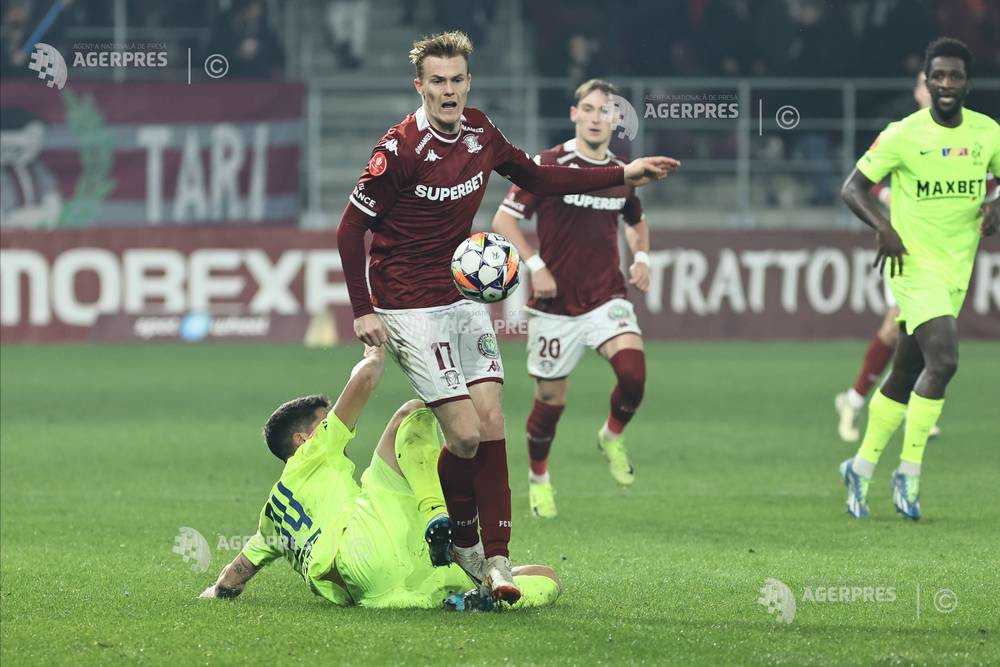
(294, 416)
(951, 47)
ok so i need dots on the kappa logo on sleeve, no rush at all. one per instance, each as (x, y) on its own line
(378, 164)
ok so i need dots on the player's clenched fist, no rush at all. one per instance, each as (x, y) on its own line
(370, 330)
(543, 284)
(645, 170)
(639, 276)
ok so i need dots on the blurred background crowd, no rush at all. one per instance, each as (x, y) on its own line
(847, 65)
(568, 38)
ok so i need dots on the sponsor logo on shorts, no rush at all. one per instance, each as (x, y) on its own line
(494, 367)
(451, 379)
(546, 365)
(488, 346)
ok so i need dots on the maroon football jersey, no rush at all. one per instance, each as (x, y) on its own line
(578, 235)
(422, 189)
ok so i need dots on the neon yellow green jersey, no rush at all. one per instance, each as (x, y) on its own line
(305, 515)
(938, 186)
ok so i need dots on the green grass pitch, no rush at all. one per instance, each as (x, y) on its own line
(107, 451)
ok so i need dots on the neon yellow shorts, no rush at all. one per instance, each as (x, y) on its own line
(383, 557)
(923, 297)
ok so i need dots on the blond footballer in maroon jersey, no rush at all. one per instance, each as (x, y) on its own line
(578, 291)
(418, 195)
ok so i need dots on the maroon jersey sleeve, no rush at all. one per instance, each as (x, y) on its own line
(632, 212)
(544, 180)
(519, 202)
(383, 178)
(351, 246)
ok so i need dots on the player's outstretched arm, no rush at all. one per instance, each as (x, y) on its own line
(543, 283)
(857, 194)
(364, 378)
(548, 180)
(232, 580)
(645, 170)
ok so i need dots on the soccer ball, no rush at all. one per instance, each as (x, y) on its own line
(484, 267)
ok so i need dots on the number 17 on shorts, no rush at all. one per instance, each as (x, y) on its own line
(444, 350)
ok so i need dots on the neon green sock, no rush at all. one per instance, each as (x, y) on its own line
(884, 417)
(417, 448)
(536, 590)
(921, 416)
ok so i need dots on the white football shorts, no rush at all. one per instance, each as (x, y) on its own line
(445, 349)
(556, 343)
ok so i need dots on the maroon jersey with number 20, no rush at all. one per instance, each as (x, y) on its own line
(578, 235)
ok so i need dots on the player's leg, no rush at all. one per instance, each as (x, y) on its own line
(457, 467)
(550, 400)
(410, 446)
(850, 402)
(627, 357)
(886, 411)
(492, 488)
(425, 346)
(539, 584)
(938, 341)
(555, 346)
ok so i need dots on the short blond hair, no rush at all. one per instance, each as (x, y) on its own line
(442, 45)
(587, 87)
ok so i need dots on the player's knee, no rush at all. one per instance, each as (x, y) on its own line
(464, 441)
(551, 392)
(632, 377)
(944, 365)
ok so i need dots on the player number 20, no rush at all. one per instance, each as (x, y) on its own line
(548, 347)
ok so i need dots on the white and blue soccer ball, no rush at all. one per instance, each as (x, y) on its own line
(485, 267)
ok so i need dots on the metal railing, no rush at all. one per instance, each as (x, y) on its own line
(746, 172)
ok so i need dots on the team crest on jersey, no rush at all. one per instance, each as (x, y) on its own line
(488, 346)
(393, 146)
(378, 164)
(472, 143)
(432, 156)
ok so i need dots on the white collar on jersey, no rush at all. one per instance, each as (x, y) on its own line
(570, 147)
(424, 124)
